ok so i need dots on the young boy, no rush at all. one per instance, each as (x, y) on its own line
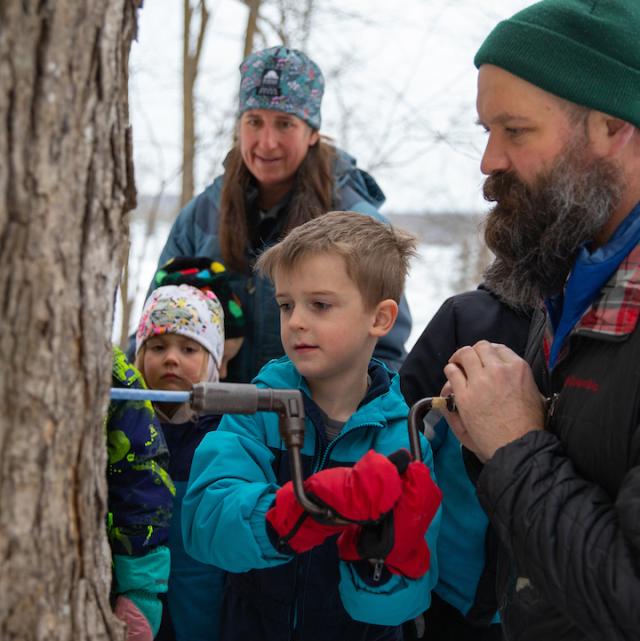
(338, 280)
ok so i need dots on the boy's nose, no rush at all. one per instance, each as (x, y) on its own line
(296, 319)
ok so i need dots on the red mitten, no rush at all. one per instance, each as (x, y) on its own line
(399, 537)
(295, 527)
(138, 628)
(360, 493)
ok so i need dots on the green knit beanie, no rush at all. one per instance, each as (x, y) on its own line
(585, 51)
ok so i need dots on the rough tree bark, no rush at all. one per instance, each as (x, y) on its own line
(66, 181)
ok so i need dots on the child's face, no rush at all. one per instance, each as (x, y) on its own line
(325, 329)
(174, 363)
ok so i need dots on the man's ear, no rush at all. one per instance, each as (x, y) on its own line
(386, 313)
(609, 135)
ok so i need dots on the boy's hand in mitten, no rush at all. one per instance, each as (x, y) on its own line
(138, 628)
(359, 494)
(398, 538)
(295, 527)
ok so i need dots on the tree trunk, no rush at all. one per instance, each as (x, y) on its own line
(252, 26)
(66, 181)
(190, 62)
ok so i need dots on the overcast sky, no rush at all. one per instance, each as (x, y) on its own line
(403, 73)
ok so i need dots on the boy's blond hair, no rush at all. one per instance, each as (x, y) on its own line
(376, 254)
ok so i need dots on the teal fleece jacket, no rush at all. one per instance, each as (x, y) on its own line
(235, 474)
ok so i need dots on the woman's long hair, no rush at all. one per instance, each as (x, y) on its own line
(312, 196)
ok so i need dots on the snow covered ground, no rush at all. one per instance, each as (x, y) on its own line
(432, 278)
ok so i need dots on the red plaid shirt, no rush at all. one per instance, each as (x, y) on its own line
(614, 313)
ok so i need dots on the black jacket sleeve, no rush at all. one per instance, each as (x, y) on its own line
(575, 544)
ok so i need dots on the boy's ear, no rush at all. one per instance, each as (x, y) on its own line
(386, 313)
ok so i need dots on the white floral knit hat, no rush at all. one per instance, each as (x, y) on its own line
(186, 311)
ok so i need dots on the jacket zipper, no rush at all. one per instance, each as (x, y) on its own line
(325, 453)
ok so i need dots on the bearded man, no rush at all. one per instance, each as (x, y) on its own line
(559, 97)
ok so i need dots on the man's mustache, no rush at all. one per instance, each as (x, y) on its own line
(501, 184)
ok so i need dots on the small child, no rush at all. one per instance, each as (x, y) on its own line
(209, 275)
(180, 342)
(338, 281)
(139, 506)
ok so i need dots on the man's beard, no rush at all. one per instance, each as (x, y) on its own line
(535, 232)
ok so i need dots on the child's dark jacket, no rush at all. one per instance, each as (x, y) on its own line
(140, 489)
(195, 589)
(140, 496)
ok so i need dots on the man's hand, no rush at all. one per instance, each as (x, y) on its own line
(497, 399)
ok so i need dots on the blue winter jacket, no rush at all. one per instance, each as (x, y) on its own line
(195, 233)
(273, 596)
(195, 590)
